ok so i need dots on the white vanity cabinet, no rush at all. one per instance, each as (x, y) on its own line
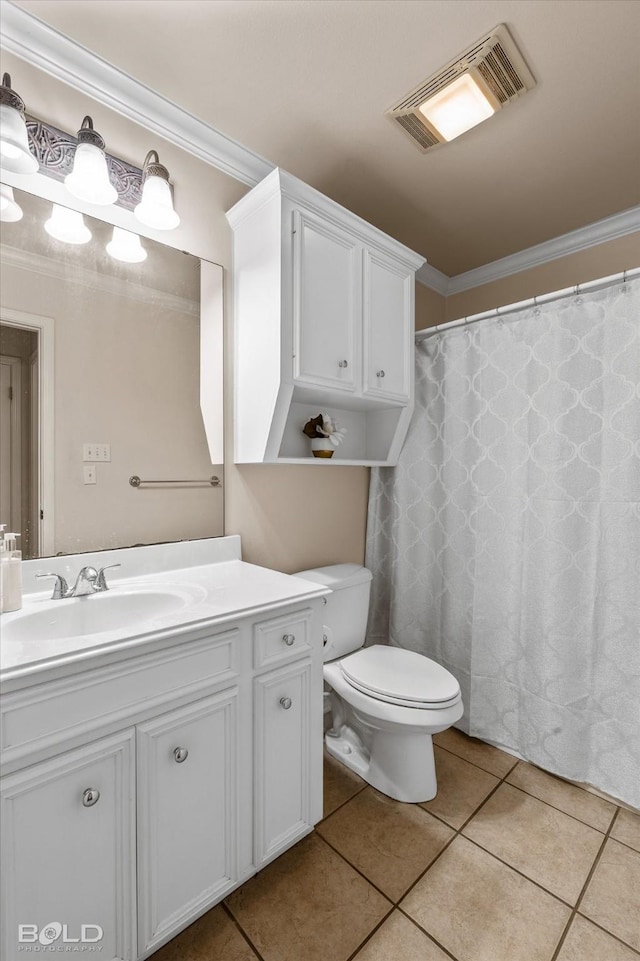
(323, 323)
(187, 813)
(140, 792)
(68, 853)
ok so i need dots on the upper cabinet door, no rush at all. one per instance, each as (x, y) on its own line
(388, 327)
(326, 304)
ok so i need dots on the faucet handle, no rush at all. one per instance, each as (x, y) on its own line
(101, 583)
(61, 588)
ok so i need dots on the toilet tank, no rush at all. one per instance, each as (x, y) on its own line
(344, 618)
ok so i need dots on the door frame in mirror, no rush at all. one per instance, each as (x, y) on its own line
(44, 327)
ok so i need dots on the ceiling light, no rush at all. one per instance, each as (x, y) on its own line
(156, 207)
(10, 209)
(68, 226)
(459, 107)
(489, 75)
(89, 179)
(15, 155)
(126, 246)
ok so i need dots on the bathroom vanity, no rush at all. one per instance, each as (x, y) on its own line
(161, 742)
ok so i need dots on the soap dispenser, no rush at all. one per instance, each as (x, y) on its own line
(11, 565)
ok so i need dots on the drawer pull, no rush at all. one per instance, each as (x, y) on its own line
(380, 373)
(343, 363)
(180, 754)
(285, 703)
(90, 797)
(289, 639)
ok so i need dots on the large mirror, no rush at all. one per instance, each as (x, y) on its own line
(100, 366)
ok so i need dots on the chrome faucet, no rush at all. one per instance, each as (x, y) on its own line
(88, 581)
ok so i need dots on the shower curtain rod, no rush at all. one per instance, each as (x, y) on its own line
(530, 302)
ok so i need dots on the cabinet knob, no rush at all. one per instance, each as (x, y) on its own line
(289, 639)
(90, 797)
(180, 754)
(343, 363)
(380, 373)
(285, 703)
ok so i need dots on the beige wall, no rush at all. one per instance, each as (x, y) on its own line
(431, 307)
(288, 517)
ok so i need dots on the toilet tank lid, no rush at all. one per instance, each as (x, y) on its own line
(337, 576)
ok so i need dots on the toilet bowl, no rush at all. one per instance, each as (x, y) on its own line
(386, 702)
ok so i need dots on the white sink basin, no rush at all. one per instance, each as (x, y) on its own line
(110, 611)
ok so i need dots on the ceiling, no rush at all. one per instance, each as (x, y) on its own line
(305, 84)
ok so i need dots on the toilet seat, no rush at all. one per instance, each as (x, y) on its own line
(402, 677)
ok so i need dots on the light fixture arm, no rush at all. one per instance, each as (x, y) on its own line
(153, 168)
(87, 134)
(8, 96)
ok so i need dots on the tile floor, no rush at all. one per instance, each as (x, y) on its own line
(507, 863)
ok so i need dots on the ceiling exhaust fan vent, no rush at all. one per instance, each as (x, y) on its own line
(496, 65)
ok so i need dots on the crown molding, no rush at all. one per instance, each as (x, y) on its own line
(430, 277)
(610, 228)
(84, 277)
(45, 48)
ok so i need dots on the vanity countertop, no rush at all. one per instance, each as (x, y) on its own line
(207, 595)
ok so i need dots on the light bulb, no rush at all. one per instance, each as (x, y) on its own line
(10, 209)
(156, 206)
(89, 179)
(126, 246)
(68, 226)
(15, 154)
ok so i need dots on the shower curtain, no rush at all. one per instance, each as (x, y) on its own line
(506, 543)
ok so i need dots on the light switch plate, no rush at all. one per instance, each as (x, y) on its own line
(96, 452)
(89, 475)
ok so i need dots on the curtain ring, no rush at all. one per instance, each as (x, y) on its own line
(536, 309)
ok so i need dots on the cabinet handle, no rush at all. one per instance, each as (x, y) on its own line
(380, 373)
(289, 639)
(343, 363)
(285, 703)
(90, 797)
(180, 754)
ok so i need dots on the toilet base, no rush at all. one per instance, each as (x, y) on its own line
(402, 767)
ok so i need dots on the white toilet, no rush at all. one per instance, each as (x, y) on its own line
(387, 702)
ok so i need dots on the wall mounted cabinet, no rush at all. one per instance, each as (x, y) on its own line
(323, 323)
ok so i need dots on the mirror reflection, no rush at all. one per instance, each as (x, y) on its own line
(99, 367)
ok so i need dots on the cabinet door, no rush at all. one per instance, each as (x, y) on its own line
(326, 304)
(283, 751)
(68, 854)
(388, 327)
(187, 801)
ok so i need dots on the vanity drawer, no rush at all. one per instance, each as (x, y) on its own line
(282, 639)
(39, 718)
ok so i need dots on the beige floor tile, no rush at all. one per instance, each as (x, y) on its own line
(567, 797)
(486, 756)
(400, 940)
(462, 787)
(390, 842)
(585, 942)
(214, 935)
(612, 899)
(308, 904)
(481, 910)
(627, 829)
(547, 845)
(339, 784)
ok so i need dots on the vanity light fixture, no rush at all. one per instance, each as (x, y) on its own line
(15, 154)
(10, 209)
(489, 75)
(126, 246)
(156, 207)
(68, 226)
(89, 179)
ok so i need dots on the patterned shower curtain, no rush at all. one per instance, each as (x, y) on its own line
(506, 543)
